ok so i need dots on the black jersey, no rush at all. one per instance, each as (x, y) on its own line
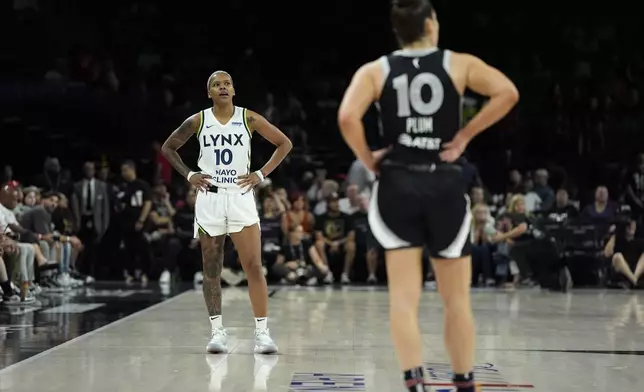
(420, 108)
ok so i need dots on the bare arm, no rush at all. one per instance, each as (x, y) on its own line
(158, 219)
(316, 259)
(271, 133)
(490, 82)
(280, 259)
(609, 249)
(177, 139)
(360, 94)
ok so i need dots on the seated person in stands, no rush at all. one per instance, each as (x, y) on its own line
(335, 237)
(39, 220)
(627, 254)
(160, 228)
(562, 210)
(299, 262)
(365, 241)
(602, 210)
(28, 201)
(271, 221)
(483, 236)
(8, 296)
(183, 248)
(64, 224)
(299, 214)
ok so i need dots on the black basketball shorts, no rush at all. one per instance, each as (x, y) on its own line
(414, 209)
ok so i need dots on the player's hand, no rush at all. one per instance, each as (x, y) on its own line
(248, 181)
(453, 150)
(194, 243)
(138, 226)
(200, 181)
(376, 157)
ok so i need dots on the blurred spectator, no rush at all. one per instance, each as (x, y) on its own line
(54, 245)
(335, 237)
(477, 195)
(543, 190)
(183, 248)
(350, 203)
(298, 215)
(31, 197)
(134, 202)
(602, 210)
(280, 196)
(329, 187)
(516, 183)
(626, 253)
(483, 236)
(91, 210)
(562, 210)
(532, 201)
(314, 193)
(52, 178)
(298, 261)
(360, 176)
(365, 241)
(160, 228)
(271, 222)
(635, 188)
(162, 167)
(8, 296)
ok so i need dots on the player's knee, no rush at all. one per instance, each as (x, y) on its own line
(254, 271)
(617, 257)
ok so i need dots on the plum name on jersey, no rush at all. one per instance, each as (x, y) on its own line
(416, 125)
(223, 140)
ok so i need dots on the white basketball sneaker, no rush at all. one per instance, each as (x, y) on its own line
(218, 343)
(263, 342)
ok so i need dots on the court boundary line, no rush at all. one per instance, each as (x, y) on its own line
(90, 333)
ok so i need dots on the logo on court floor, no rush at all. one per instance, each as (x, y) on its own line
(487, 375)
(327, 382)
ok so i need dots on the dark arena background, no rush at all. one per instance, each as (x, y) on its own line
(89, 90)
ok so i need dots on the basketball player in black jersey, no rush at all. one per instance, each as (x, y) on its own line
(420, 198)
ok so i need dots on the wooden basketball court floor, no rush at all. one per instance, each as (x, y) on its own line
(338, 340)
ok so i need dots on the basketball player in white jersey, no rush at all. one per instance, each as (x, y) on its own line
(225, 204)
(420, 198)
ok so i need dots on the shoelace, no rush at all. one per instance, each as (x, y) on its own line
(218, 332)
(261, 332)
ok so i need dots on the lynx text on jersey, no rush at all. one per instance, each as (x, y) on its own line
(224, 146)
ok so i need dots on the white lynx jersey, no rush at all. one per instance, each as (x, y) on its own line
(224, 148)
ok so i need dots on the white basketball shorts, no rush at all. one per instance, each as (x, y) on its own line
(225, 212)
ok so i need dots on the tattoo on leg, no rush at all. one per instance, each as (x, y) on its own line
(213, 261)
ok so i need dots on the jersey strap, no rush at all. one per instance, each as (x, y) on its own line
(201, 121)
(246, 123)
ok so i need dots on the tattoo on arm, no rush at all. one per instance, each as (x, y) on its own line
(213, 262)
(177, 139)
(250, 119)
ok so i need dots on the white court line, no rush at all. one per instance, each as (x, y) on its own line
(90, 333)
